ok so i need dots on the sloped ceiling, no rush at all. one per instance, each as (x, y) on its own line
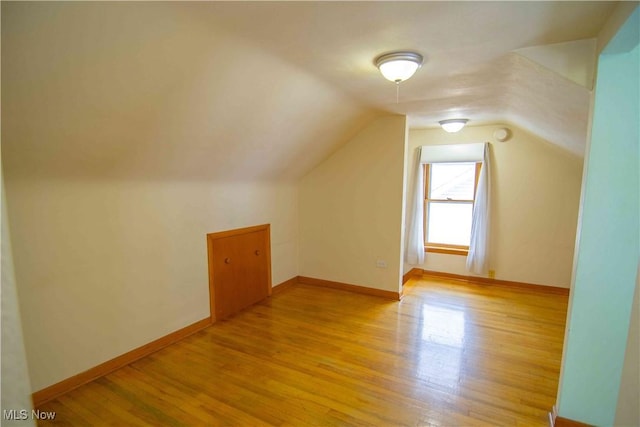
(264, 90)
(148, 91)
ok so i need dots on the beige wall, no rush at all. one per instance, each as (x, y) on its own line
(15, 389)
(129, 131)
(351, 210)
(154, 91)
(106, 266)
(536, 193)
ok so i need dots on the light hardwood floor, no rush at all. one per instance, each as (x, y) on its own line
(448, 354)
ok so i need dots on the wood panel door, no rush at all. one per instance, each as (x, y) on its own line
(239, 269)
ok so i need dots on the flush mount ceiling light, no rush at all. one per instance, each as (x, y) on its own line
(453, 125)
(399, 66)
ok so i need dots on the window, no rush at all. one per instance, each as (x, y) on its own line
(450, 190)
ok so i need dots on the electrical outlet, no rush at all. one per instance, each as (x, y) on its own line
(381, 263)
(492, 274)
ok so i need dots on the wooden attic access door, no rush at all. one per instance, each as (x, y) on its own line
(239, 269)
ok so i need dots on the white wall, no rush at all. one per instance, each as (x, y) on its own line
(351, 210)
(536, 192)
(125, 262)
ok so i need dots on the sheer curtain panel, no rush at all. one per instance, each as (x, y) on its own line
(415, 248)
(478, 257)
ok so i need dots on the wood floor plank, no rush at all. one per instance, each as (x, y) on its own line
(450, 353)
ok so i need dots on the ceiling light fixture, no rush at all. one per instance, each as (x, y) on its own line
(453, 125)
(399, 66)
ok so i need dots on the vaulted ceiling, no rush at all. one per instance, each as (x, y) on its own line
(477, 62)
(266, 90)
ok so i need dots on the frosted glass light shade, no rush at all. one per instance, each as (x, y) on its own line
(453, 125)
(399, 66)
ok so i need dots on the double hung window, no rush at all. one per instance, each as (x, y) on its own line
(450, 191)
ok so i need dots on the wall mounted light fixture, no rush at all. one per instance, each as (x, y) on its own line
(453, 125)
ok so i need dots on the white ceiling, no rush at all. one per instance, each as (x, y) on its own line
(472, 69)
(267, 90)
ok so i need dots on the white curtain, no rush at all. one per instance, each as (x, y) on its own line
(478, 258)
(415, 245)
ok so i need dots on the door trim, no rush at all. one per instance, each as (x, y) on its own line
(211, 237)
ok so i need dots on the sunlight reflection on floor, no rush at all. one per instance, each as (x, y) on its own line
(443, 333)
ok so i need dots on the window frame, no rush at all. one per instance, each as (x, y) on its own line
(444, 248)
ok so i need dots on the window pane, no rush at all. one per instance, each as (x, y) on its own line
(452, 181)
(449, 223)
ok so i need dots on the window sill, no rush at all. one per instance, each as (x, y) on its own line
(448, 251)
